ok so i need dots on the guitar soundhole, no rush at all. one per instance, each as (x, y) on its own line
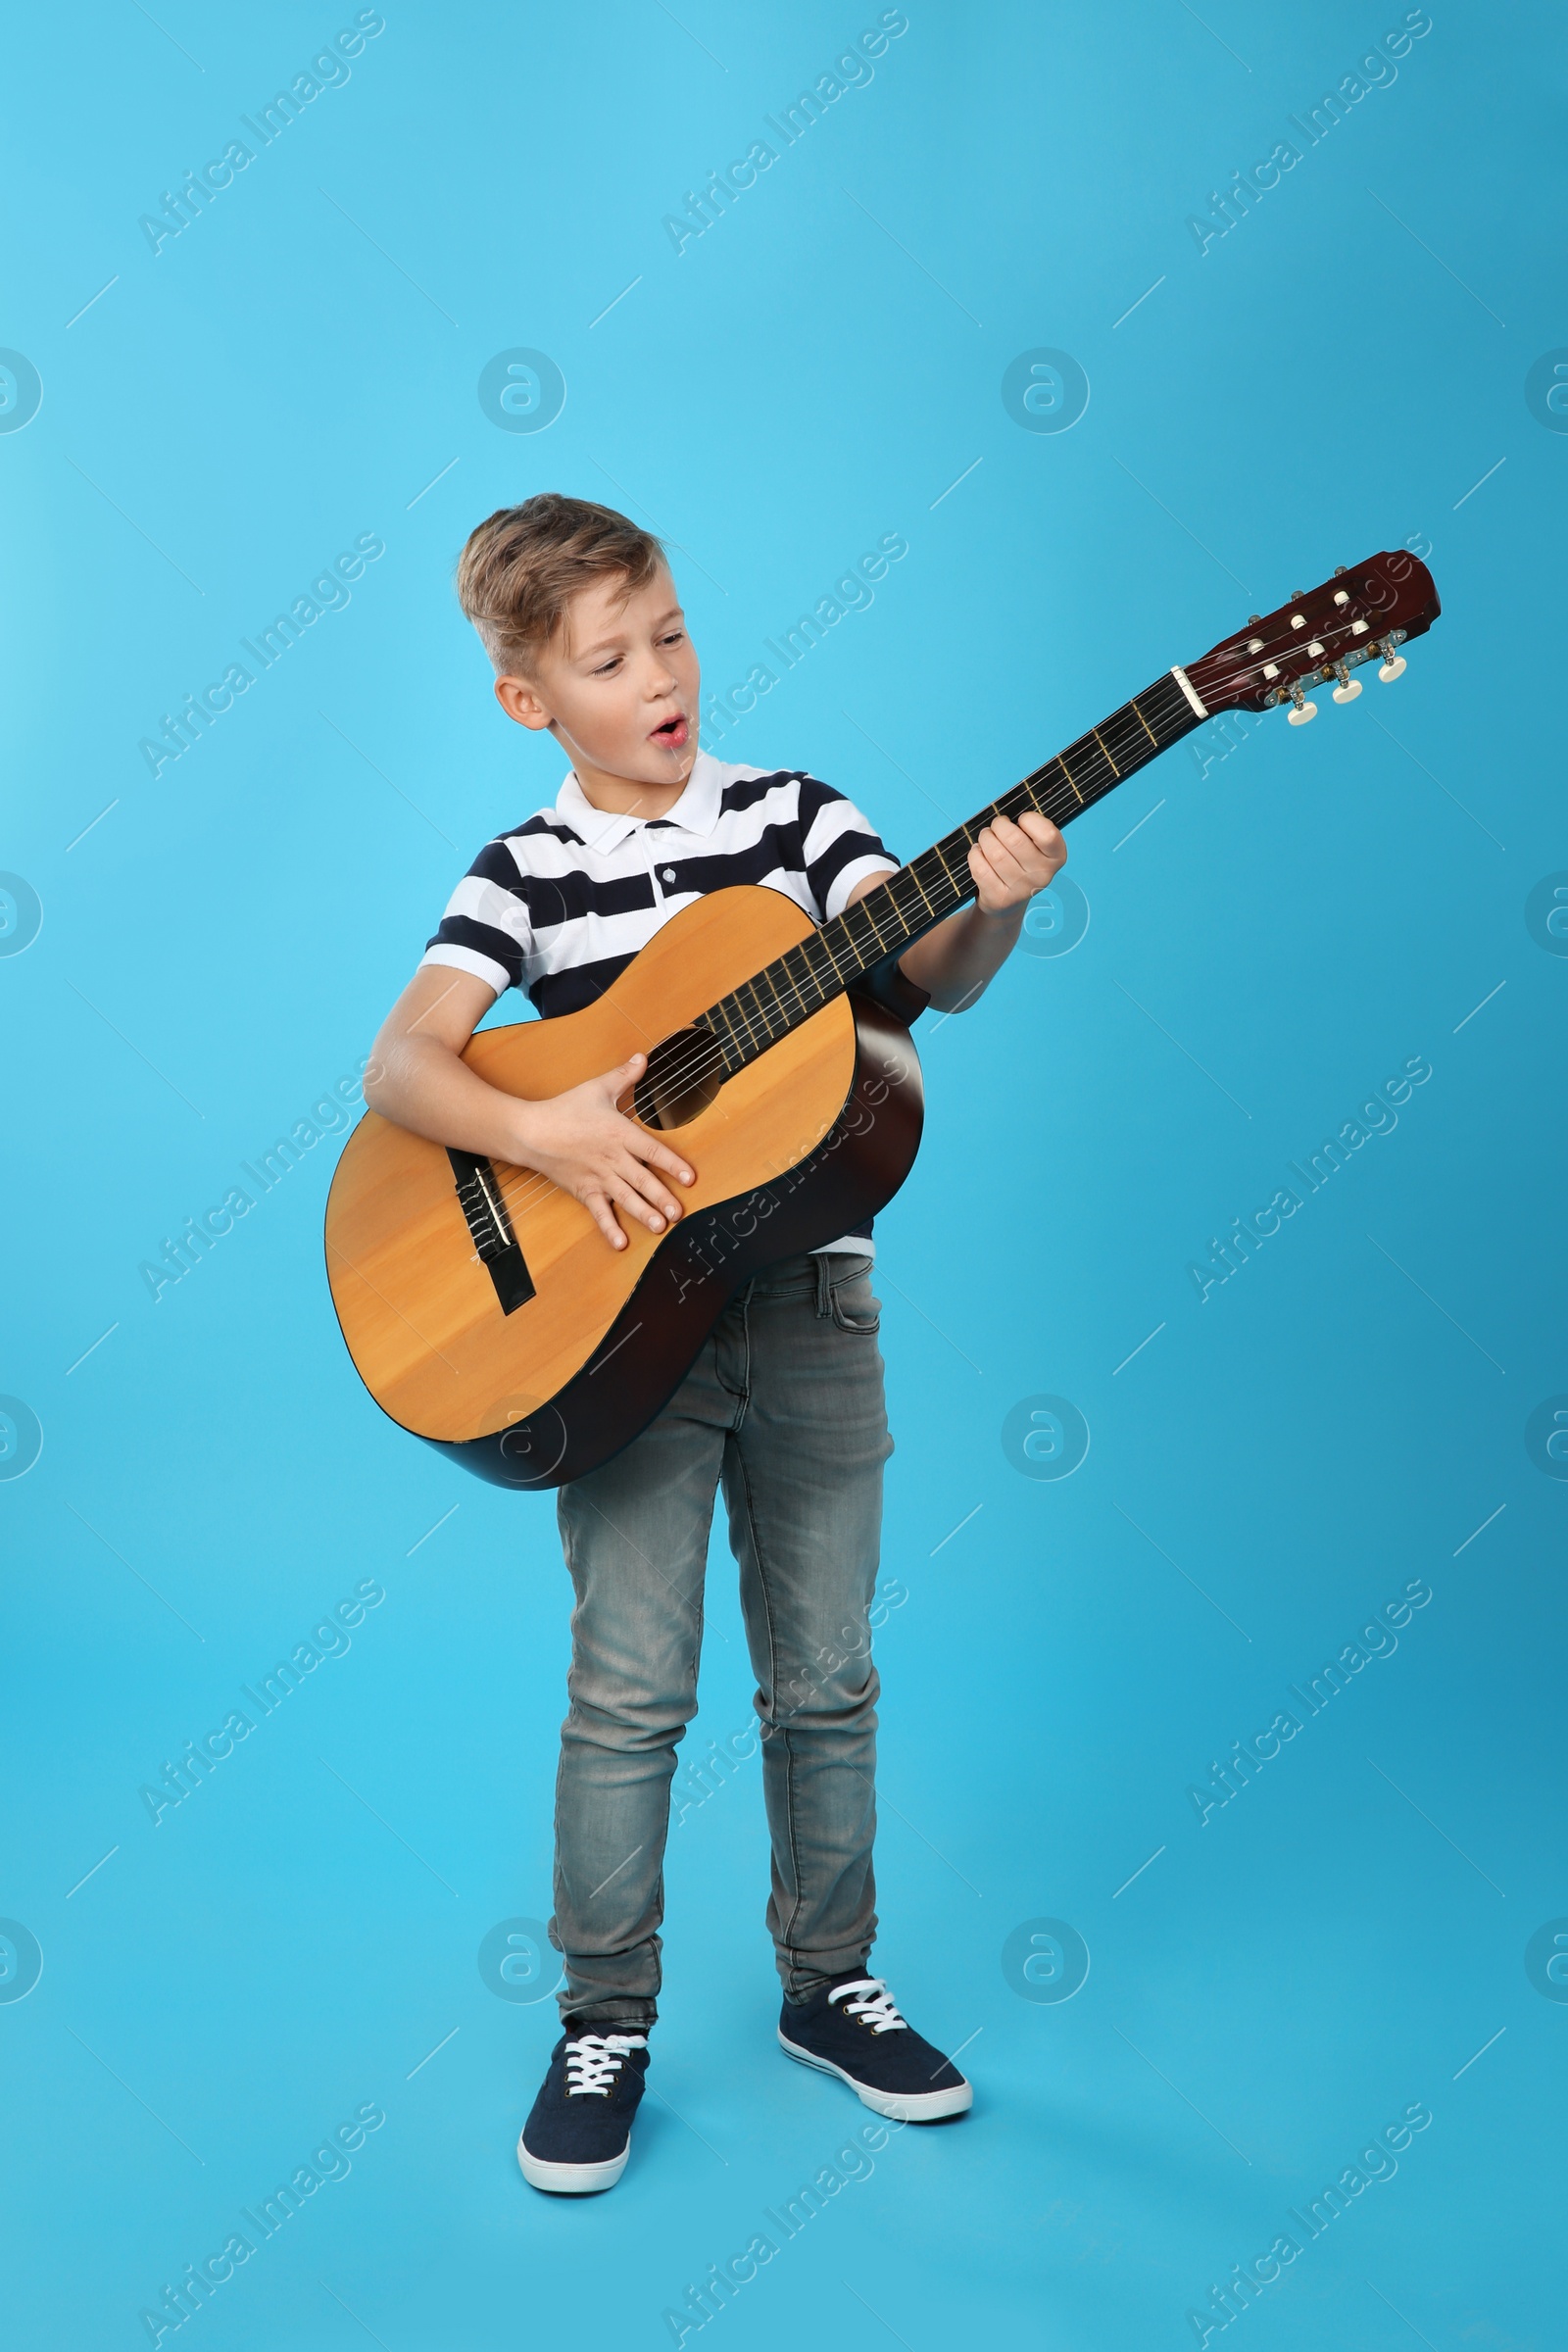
(684, 1074)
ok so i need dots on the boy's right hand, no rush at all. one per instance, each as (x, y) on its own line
(583, 1142)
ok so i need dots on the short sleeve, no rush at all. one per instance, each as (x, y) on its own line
(486, 929)
(839, 847)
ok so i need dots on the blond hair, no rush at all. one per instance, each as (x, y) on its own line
(523, 565)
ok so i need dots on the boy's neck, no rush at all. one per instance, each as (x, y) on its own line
(625, 796)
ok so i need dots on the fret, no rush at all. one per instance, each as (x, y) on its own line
(1089, 753)
(914, 876)
(764, 1014)
(940, 854)
(744, 1014)
(908, 903)
(760, 1016)
(1068, 807)
(783, 965)
(827, 944)
(735, 1022)
(861, 908)
(1094, 752)
(716, 1022)
(741, 1039)
(813, 950)
(767, 975)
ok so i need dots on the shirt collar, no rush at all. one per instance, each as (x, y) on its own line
(604, 829)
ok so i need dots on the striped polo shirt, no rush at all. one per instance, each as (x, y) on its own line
(562, 904)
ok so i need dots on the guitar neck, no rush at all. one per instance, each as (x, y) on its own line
(937, 883)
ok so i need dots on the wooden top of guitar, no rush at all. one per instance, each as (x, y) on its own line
(418, 1307)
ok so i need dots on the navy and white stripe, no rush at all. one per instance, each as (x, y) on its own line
(561, 904)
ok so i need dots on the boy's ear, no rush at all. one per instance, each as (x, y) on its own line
(521, 700)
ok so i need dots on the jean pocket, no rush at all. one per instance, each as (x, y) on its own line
(854, 1308)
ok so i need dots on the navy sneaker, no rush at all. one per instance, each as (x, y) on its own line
(578, 2135)
(852, 2030)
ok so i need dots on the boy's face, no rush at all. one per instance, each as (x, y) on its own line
(617, 686)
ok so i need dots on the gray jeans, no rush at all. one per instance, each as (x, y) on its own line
(784, 1407)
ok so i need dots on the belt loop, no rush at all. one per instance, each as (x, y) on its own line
(824, 1297)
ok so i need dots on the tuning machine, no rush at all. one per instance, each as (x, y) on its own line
(1347, 688)
(1303, 710)
(1393, 664)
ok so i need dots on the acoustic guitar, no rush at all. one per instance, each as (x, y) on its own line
(479, 1303)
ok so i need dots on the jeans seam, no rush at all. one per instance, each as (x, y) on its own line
(786, 1927)
(697, 1608)
(746, 1369)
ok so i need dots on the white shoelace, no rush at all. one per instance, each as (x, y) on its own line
(594, 2060)
(879, 2008)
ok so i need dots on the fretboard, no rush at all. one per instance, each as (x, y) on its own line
(937, 883)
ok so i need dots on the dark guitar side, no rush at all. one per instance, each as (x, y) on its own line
(704, 1259)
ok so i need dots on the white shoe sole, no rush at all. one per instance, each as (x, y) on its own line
(913, 2107)
(571, 2179)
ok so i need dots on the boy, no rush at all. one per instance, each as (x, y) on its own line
(784, 1405)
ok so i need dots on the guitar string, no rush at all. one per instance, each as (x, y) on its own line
(1040, 787)
(519, 1197)
(744, 1027)
(1121, 732)
(733, 1006)
(1247, 664)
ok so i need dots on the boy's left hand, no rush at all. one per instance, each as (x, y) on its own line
(1011, 862)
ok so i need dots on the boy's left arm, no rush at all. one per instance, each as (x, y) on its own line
(1009, 863)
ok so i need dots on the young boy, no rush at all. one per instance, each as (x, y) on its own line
(784, 1405)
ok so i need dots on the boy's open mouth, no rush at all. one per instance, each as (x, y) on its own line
(672, 732)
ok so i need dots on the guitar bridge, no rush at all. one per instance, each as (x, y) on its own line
(484, 1209)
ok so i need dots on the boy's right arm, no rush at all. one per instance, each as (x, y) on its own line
(580, 1140)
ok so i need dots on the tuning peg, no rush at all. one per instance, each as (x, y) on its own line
(1393, 663)
(1347, 688)
(1303, 710)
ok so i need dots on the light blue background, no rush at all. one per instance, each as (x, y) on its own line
(1287, 928)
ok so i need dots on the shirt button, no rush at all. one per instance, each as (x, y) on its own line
(669, 873)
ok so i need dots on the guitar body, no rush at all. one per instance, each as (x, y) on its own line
(498, 1324)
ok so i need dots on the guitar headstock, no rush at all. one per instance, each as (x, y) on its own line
(1368, 608)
